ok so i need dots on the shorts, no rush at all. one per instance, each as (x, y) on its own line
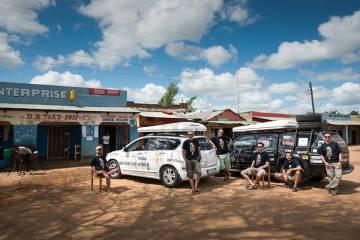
(224, 161)
(252, 171)
(291, 178)
(193, 166)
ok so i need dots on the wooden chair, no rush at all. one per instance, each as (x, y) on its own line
(92, 175)
(262, 179)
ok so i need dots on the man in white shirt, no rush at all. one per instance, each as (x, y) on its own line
(106, 143)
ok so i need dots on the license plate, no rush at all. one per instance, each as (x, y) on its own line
(211, 171)
(305, 157)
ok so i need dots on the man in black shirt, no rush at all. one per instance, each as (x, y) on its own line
(292, 171)
(192, 156)
(261, 161)
(331, 156)
(99, 167)
(222, 152)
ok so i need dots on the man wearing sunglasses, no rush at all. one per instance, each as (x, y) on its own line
(260, 163)
(330, 154)
(222, 143)
(192, 156)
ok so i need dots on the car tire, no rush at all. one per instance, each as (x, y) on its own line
(169, 177)
(111, 164)
(317, 178)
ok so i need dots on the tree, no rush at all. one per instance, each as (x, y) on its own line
(189, 104)
(354, 113)
(169, 96)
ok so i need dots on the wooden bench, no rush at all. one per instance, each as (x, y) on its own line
(93, 175)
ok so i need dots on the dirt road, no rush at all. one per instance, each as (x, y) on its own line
(58, 204)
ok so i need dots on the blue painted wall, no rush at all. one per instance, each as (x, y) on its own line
(11, 93)
(133, 133)
(42, 140)
(25, 134)
(88, 147)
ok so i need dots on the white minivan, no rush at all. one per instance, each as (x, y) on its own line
(159, 155)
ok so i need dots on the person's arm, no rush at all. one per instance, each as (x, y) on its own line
(212, 143)
(252, 164)
(322, 156)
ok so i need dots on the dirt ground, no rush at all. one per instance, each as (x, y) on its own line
(58, 204)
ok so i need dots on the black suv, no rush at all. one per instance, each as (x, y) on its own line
(304, 143)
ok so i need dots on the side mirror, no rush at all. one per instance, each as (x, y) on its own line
(126, 149)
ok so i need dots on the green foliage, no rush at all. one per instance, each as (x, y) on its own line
(169, 96)
(189, 104)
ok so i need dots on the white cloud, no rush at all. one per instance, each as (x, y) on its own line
(46, 63)
(237, 11)
(215, 55)
(345, 74)
(18, 16)
(79, 58)
(65, 79)
(347, 94)
(9, 57)
(351, 57)
(150, 93)
(58, 28)
(340, 37)
(224, 85)
(281, 88)
(131, 28)
(150, 70)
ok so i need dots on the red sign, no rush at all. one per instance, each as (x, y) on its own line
(104, 92)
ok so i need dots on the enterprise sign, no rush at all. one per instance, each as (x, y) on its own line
(25, 92)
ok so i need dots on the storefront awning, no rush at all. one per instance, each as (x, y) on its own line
(343, 122)
(66, 108)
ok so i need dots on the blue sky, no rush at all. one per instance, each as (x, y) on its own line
(265, 52)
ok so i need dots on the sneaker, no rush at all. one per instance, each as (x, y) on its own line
(328, 189)
(294, 189)
(334, 192)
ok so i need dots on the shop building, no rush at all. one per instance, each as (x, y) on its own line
(64, 122)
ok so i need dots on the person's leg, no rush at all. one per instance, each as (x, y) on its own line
(259, 174)
(245, 174)
(297, 179)
(335, 181)
(107, 177)
(227, 166)
(190, 174)
(197, 170)
(330, 172)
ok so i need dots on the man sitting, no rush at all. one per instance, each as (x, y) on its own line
(98, 165)
(291, 172)
(261, 161)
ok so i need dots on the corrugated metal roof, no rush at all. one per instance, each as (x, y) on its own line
(273, 118)
(204, 116)
(67, 108)
(233, 122)
(160, 115)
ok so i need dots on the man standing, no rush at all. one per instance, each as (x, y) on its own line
(98, 165)
(106, 143)
(222, 152)
(331, 156)
(192, 156)
(261, 161)
(291, 172)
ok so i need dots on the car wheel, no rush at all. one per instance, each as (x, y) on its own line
(169, 177)
(114, 164)
(317, 178)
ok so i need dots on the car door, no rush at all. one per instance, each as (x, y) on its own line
(134, 152)
(208, 153)
(156, 150)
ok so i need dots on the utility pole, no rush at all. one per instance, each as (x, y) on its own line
(312, 97)
(238, 93)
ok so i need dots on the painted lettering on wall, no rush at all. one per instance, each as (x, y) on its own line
(25, 92)
(104, 92)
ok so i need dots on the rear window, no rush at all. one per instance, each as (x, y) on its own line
(287, 140)
(162, 144)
